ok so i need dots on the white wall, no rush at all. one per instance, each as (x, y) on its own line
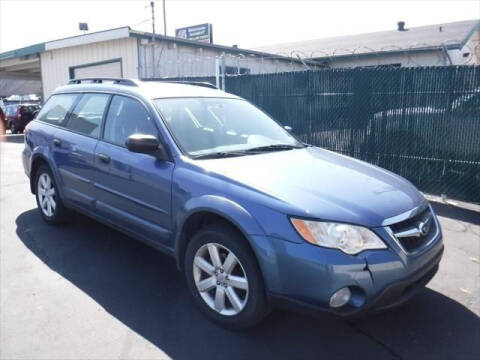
(55, 64)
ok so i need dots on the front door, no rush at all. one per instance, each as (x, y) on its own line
(132, 190)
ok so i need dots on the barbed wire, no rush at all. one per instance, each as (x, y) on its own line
(202, 62)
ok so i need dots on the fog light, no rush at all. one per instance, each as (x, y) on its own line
(340, 298)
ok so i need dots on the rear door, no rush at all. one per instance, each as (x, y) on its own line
(133, 190)
(74, 148)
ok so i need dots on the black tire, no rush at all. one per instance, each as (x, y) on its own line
(256, 306)
(59, 214)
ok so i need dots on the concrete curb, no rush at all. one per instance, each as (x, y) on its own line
(17, 138)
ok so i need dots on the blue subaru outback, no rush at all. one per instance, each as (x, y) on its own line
(254, 217)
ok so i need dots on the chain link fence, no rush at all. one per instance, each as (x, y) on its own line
(422, 123)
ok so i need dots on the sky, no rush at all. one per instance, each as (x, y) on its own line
(246, 23)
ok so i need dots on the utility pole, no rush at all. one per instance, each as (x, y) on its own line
(164, 20)
(152, 5)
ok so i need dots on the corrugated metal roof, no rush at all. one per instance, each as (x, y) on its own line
(199, 44)
(123, 32)
(452, 35)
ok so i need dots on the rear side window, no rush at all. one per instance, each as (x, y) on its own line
(87, 116)
(125, 117)
(30, 108)
(56, 108)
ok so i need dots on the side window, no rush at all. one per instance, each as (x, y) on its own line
(56, 108)
(126, 117)
(87, 116)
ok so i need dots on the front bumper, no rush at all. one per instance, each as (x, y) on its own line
(306, 276)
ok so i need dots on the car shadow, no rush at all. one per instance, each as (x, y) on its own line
(143, 289)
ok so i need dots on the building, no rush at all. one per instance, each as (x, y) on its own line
(124, 52)
(433, 45)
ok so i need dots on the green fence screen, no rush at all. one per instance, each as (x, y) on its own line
(422, 123)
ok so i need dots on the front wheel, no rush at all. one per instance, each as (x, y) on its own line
(48, 199)
(224, 278)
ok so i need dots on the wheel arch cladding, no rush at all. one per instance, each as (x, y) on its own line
(209, 209)
(37, 161)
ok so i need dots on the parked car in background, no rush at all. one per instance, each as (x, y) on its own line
(3, 118)
(18, 116)
(409, 129)
(23, 99)
(254, 217)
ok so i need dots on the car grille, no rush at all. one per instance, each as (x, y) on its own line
(416, 231)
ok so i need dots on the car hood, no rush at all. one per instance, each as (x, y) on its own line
(321, 184)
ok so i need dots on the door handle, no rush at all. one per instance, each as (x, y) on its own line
(104, 158)
(57, 142)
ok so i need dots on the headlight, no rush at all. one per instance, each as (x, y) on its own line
(350, 239)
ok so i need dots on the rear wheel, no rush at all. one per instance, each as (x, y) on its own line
(224, 278)
(48, 200)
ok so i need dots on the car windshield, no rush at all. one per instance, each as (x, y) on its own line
(204, 126)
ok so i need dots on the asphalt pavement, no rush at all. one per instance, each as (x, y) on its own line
(85, 291)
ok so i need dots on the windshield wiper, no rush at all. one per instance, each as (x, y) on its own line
(273, 147)
(218, 155)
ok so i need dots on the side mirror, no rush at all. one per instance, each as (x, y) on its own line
(146, 144)
(288, 128)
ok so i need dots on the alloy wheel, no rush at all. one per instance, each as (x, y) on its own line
(46, 194)
(220, 279)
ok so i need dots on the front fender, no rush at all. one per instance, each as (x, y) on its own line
(220, 206)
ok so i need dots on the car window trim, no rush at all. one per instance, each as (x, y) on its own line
(67, 115)
(102, 137)
(159, 136)
(110, 96)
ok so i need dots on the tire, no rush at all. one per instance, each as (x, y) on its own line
(53, 213)
(249, 298)
(12, 128)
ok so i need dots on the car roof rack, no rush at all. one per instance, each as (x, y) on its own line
(195, 83)
(185, 82)
(118, 81)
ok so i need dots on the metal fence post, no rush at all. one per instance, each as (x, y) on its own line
(223, 70)
(217, 72)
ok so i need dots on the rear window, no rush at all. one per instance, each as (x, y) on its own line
(30, 108)
(11, 110)
(56, 108)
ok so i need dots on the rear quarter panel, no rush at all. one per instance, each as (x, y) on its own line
(38, 144)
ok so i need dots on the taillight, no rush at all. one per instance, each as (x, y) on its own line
(19, 113)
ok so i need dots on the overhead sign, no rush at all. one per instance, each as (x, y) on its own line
(201, 33)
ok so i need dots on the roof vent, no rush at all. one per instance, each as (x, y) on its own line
(401, 26)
